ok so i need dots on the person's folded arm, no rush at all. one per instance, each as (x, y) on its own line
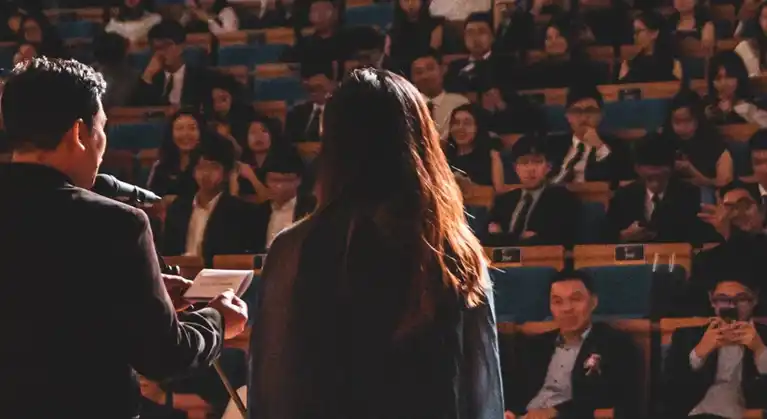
(159, 344)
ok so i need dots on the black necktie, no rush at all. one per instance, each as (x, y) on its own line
(655, 205)
(430, 104)
(519, 224)
(570, 168)
(312, 132)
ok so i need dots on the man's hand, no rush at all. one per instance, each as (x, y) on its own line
(528, 234)
(155, 66)
(549, 413)
(718, 216)
(509, 415)
(744, 333)
(176, 287)
(592, 138)
(233, 310)
(713, 339)
(494, 228)
(635, 232)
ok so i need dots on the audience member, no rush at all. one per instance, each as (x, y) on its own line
(514, 32)
(577, 368)
(167, 79)
(719, 370)
(758, 149)
(262, 144)
(701, 156)
(286, 205)
(218, 17)
(303, 121)
(414, 33)
(38, 31)
(753, 50)
(325, 45)
(25, 51)
(172, 173)
(228, 105)
(427, 75)
(658, 207)
(655, 61)
(111, 52)
(134, 20)
(584, 154)
(510, 112)
(692, 20)
(482, 67)
(458, 10)
(730, 94)
(210, 222)
(537, 213)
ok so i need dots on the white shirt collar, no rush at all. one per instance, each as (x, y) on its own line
(649, 194)
(288, 206)
(180, 72)
(436, 99)
(762, 190)
(211, 205)
(317, 107)
(484, 57)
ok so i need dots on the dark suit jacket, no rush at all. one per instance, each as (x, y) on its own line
(196, 88)
(677, 217)
(615, 167)
(229, 229)
(325, 343)
(297, 121)
(554, 217)
(85, 303)
(685, 388)
(495, 71)
(305, 204)
(617, 386)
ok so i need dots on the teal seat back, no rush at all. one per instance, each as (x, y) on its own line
(591, 223)
(136, 136)
(288, 89)
(522, 293)
(377, 14)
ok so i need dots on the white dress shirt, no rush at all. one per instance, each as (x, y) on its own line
(649, 206)
(282, 218)
(228, 19)
(579, 170)
(750, 57)
(198, 222)
(178, 84)
(443, 105)
(458, 10)
(133, 30)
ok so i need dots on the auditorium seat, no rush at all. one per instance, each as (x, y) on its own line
(193, 55)
(135, 136)
(249, 55)
(76, 29)
(591, 223)
(378, 15)
(189, 266)
(288, 89)
(522, 293)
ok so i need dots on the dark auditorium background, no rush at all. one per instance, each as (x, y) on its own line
(621, 142)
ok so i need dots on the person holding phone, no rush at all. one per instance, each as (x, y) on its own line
(719, 370)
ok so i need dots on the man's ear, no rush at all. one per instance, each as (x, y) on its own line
(74, 138)
(594, 302)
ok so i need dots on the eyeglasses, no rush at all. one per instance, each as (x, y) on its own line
(730, 301)
(590, 111)
(743, 204)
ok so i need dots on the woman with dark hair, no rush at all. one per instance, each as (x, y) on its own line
(692, 20)
(262, 144)
(414, 32)
(38, 31)
(702, 157)
(754, 51)
(172, 173)
(655, 61)
(134, 19)
(379, 304)
(730, 95)
(217, 19)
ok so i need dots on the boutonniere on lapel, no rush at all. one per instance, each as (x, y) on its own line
(592, 365)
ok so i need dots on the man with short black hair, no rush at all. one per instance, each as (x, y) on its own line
(428, 76)
(86, 263)
(302, 124)
(577, 368)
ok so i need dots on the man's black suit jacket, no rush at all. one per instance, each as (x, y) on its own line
(686, 388)
(193, 94)
(554, 218)
(496, 71)
(297, 121)
(677, 214)
(84, 303)
(615, 167)
(305, 205)
(618, 385)
(229, 229)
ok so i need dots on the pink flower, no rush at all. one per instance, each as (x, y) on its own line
(592, 364)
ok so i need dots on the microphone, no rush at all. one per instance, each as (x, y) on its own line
(111, 187)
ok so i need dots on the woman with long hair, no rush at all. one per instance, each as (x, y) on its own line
(753, 51)
(379, 304)
(730, 94)
(655, 61)
(414, 32)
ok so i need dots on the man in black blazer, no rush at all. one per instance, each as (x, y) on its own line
(83, 296)
(537, 213)
(482, 67)
(302, 123)
(168, 79)
(286, 205)
(585, 154)
(658, 207)
(577, 368)
(211, 222)
(718, 370)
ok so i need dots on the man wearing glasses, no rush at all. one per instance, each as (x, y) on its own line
(719, 370)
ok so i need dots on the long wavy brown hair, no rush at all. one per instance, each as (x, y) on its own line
(381, 152)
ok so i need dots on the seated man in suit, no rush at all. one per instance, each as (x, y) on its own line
(427, 75)
(303, 121)
(167, 79)
(286, 206)
(658, 207)
(578, 368)
(211, 222)
(717, 371)
(537, 213)
(758, 148)
(584, 154)
(482, 68)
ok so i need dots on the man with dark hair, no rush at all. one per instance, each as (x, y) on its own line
(537, 213)
(111, 51)
(719, 370)
(286, 205)
(303, 120)
(55, 123)
(658, 207)
(758, 150)
(167, 79)
(428, 75)
(577, 368)
(210, 222)
(585, 154)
